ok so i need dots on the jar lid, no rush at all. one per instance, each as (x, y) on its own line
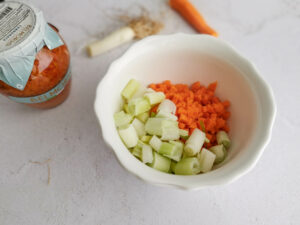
(23, 33)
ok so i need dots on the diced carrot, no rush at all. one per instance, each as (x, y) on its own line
(183, 118)
(181, 125)
(196, 104)
(195, 86)
(226, 115)
(226, 103)
(212, 86)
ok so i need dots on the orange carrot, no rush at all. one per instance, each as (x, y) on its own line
(197, 107)
(190, 13)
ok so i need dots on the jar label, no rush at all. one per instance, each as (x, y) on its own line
(48, 95)
(17, 22)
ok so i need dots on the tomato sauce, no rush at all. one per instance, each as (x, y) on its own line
(50, 67)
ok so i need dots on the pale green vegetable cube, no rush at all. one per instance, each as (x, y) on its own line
(153, 126)
(149, 90)
(172, 150)
(167, 149)
(160, 163)
(178, 150)
(195, 142)
(140, 92)
(169, 123)
(155, 143)
(143, 117)
(184, 155)
(167, 115)
(206, 159)
(173, 166)
(130, 89)
(190, 149)
(139, 127)
(155, 97)
(129, 136)
(138, 106)
(223, 139)
(147, 154)
(125, 107)
(121, 118)
(140, 144)
(220, 152)
(146, 139)
(167, 106)
(183, 133)
(170, 133)
(188, 166)
(137, 152)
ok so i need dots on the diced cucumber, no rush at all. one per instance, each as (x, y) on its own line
(188, 166)
(154, 126)
(170, 170)
(173, 166)
(160, 163)
(139, 127)
(223, 139)
(146, 139)
(130, 89)
(137, 152)
(129, 136)
(147, 154)
(155, 143)
(167, 149)
(172, 150)
(125, 107)
(191, 149)
(138, 105)
(167, 115)
(155, 97)
(178, 151)
(195, 142)
(169, 123)
(184, 155)
(143, 117)
(167, 106)
(140, 144)
(121, 118)
(140, 92)
(149, 90)
(170, 133)
(220, 152)
(206, 159)
(183, 133)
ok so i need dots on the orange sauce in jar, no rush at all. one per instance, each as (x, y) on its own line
(34, 59)
(50, 67)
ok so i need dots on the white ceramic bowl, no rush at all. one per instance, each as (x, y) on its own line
(188, 58)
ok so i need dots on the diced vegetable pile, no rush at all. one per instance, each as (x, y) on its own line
(157, 140)
(197, 107)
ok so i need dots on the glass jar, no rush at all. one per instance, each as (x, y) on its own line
(35, 60)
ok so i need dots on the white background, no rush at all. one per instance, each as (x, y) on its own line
(89, 187)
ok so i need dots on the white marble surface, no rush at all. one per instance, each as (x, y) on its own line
(89, 187)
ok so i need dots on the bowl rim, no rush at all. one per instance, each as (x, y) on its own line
(186, 182)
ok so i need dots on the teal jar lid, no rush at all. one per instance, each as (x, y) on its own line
(23, 33)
